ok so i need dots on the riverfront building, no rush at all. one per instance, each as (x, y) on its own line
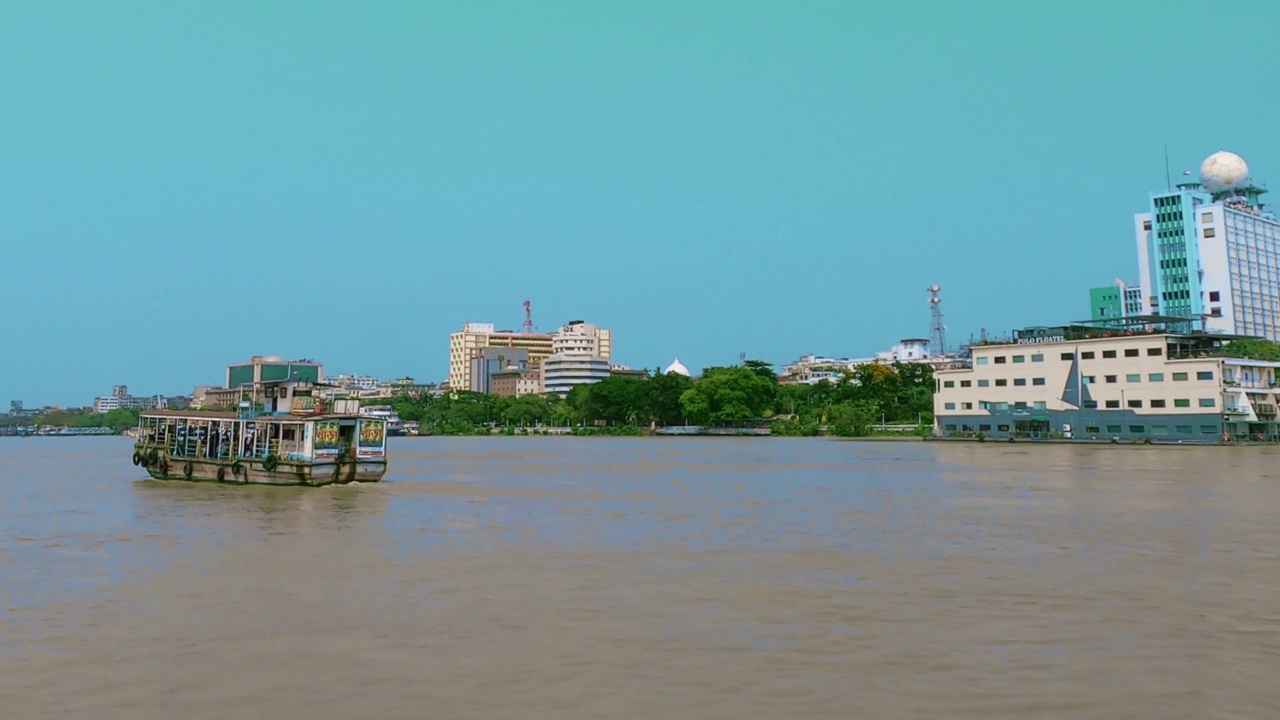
(1210, 250)
(1160, 380)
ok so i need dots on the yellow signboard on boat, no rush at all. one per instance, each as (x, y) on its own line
(327, 439)
(372, 436)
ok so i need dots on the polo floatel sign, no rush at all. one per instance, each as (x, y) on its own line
(1045, 340)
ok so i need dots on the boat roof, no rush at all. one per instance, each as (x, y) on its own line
(233, 415)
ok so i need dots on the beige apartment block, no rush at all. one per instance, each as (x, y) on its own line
(1098, 383)
(470, 342)
(515, 382)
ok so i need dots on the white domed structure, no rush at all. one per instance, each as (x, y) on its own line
(1223, 170)
(678, 368)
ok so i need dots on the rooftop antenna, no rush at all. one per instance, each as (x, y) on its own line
(742, 358)
(1168, 180)
(938, 331)
(527, 327)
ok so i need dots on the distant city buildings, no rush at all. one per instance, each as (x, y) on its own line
(243, 377)
(622, 371)
(469, 344)
(515, 382)
(17, 410)
(120, 398)
(562, 372)
(504, 362)
(490, 360)
(580, 355)
(812, 369)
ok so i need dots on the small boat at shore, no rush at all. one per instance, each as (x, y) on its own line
(295, 442)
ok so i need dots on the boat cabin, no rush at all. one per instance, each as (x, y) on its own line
(283, 419)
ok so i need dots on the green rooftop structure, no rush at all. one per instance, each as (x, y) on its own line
(1106, 303)
(267, 368)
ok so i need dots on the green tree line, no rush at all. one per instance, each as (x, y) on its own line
(735, 396)
(118, 420)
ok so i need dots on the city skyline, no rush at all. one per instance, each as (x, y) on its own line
(188, 186)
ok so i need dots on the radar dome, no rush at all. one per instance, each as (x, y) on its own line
(1223, 170)
(678, 368)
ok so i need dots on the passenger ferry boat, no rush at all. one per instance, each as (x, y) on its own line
(292, 438)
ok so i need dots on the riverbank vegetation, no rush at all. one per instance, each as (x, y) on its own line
(746, 395)
(118, 420)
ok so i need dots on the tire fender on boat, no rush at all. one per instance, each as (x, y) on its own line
(270, 463)
(187, 470)
(137, 458)
(222, 474)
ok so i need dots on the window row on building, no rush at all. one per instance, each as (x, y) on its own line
(1084, 355)
(1155, 430)
(1203, 376)
(1135, 404)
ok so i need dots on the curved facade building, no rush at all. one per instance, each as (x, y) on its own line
(562, 371)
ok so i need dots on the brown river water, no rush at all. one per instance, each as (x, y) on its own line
(648, 578)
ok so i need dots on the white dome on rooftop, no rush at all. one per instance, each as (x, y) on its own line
(1223, 170)
(678, 368)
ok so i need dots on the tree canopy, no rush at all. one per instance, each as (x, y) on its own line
(733, 396)
(1253, 349)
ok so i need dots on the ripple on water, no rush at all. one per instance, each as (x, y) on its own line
(568, 577)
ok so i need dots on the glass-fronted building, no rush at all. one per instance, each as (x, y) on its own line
(1210, 250)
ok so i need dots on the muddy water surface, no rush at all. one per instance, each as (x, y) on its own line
(683, 578)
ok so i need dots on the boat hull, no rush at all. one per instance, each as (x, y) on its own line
(254, 471)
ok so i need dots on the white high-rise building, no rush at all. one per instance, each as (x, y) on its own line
(581, 354)
(1209, 250)
(581, 338)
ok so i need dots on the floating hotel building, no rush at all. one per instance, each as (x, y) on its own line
(1151, 377)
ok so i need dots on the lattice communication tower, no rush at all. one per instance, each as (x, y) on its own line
(937, 331)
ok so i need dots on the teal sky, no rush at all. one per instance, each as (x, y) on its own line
(186, 184)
